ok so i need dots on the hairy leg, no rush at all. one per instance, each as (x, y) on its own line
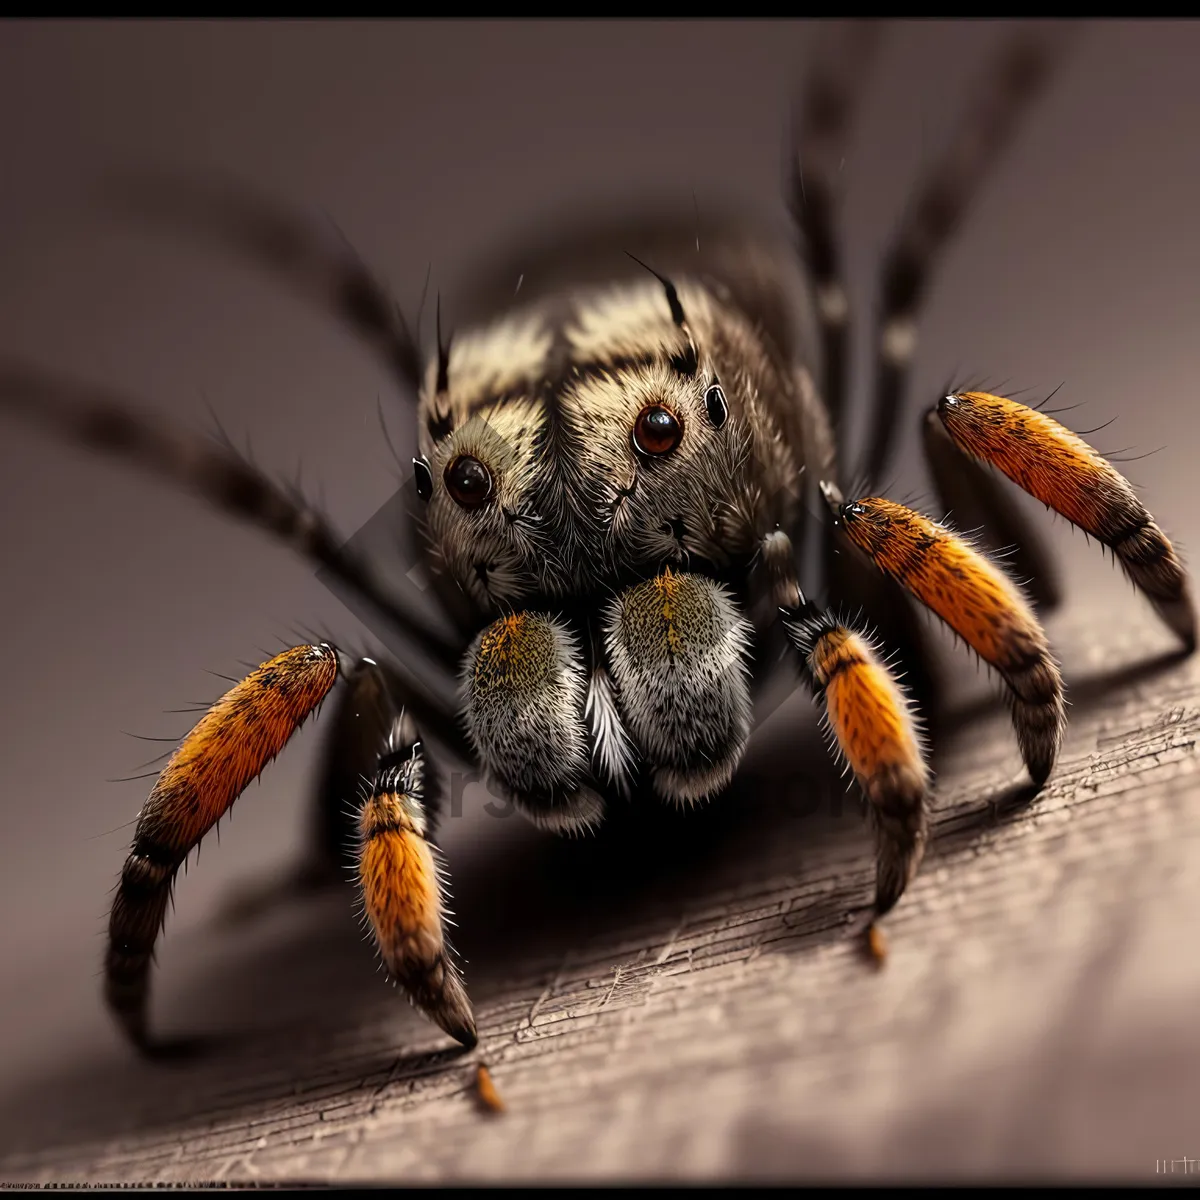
(979, 602)
(358, 727)
(403, 881)
(1057, 466)
(324, 269)
(870, 720)
(872, 727)
(973, 499)
(1004, 93)
(228, 747)
(885, 607)
(832, 91)
(364, 709)
(105, 421)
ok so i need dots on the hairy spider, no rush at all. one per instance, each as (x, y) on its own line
(611, 483)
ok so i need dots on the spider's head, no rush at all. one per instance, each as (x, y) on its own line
(483, 484)
(654, 414)
(484, 469)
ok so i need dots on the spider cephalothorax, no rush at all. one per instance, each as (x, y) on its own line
(638, 425)
(611, 481)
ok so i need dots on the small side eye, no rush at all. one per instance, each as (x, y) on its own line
(424, 477)
(718, 407)
(468, 481)
(656, 431)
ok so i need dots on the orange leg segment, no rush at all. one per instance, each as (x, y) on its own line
(980, 603)
(871, 722)
(228, 748)
(402, 886)
(1058, 467)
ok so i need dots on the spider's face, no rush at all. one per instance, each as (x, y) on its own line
(487, 517)
(484, 471)
(627, 448)
(660, 451)
(657, 406)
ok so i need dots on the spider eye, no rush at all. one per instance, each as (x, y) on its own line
(656, 431)
(424, 479)
(718, 407)
(468, 481)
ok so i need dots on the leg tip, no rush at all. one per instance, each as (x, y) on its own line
(452, 1013)
(130, 1016)
(466, 1036)
(139, 1038)
(1039, 769)
(1187, 633)
(1040, 726)
(1180, 617)
(463, 1032)
(159, 1050)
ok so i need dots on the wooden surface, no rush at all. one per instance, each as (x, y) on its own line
(692, 1002)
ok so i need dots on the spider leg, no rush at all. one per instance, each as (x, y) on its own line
(235, 218)
(403, 882)
(870, 719)
(1005, 92)
(974, 499)
(104, 421)
(871, 723)
(827, 111)
(524, 688)
(678, 651)
(227, 748)
(365, 708)
(1057, 466)
(979, 602)
(886, 608)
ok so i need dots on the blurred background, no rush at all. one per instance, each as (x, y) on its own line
(430, 144)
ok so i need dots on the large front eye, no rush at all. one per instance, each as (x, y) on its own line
(656, 430)
(468, 481)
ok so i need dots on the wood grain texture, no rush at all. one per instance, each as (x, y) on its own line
(692, 1002)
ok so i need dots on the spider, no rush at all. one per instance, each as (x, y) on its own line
(612, 483)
